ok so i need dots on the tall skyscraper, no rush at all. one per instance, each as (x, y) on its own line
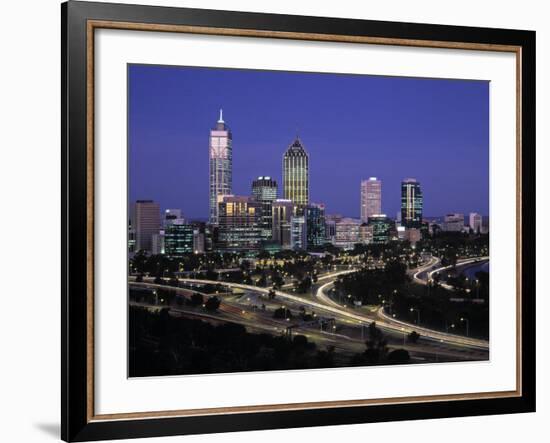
(146, 222)
(283, 211)
(476, 222)
(296, 174)
(264, 190)
(371, 198)
(221, 165)
(239, 223)
(411, 203)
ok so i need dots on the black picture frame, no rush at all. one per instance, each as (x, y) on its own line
(76, 422)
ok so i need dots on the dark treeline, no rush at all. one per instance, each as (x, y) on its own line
(164, 345)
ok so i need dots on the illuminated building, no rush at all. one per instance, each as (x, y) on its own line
(476, 222)
(283, 211)
(178, 239)
(298, 237)
(221, 165)
(347, 233)
(264, 190)
(239, 223)
(296, 174)
(453, 223)
(371, 198)
(315, 223)
(411, 203)
(146, 222)
(381, 227)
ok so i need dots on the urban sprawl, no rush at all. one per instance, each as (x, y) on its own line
(262, 221)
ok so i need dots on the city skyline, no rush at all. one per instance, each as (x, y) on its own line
(166, 192)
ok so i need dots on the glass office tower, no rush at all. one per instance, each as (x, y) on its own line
(221, 165)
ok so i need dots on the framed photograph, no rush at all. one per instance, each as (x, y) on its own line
(277, 221)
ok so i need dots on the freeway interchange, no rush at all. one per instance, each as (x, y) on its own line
(333, 324)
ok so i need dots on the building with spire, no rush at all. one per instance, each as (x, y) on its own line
(296, 174)
(221, 166)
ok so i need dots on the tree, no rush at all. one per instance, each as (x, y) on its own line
(262, 281)
(413, 337)
(303, 285)
(282, 313)
(212, 304)
(300, 341)
(277, 281)
(376, 345)
(196, 299)
(399, 356)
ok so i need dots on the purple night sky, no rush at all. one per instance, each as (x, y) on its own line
(352, 126)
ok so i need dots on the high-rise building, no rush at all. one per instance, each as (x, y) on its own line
(347, 233)
(296, 174)
(178, 239)
(298, 232)
(381, 227)
(264, 190)
(315, 223)
(411, 203)
(239, 224)
(146, 222)
(131, 238)
(371, 198)
(365, 234)
(202, 237)
(282, 213)
(221, 165)
(172, 216)
(476, 222)
(453, 222)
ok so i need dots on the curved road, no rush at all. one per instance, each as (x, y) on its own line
(327, 305)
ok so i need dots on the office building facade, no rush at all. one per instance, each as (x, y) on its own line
(412, 203)
(221, 165)
(146, 222)
(264, 190)
(239, 224)
(381, 228)
(282, 213)
(347, 233)
(453, 222)
(296, 174)
(371, 198)
(315, 225)
(476, 222)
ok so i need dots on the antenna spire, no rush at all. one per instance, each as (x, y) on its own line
(221, 116)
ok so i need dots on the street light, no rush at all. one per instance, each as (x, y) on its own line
(417, 313)
(467, 325)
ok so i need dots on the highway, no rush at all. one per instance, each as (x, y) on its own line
(322, 304)
(348, 339)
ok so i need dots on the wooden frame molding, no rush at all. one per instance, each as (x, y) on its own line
(80, 20)
(92, 25)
